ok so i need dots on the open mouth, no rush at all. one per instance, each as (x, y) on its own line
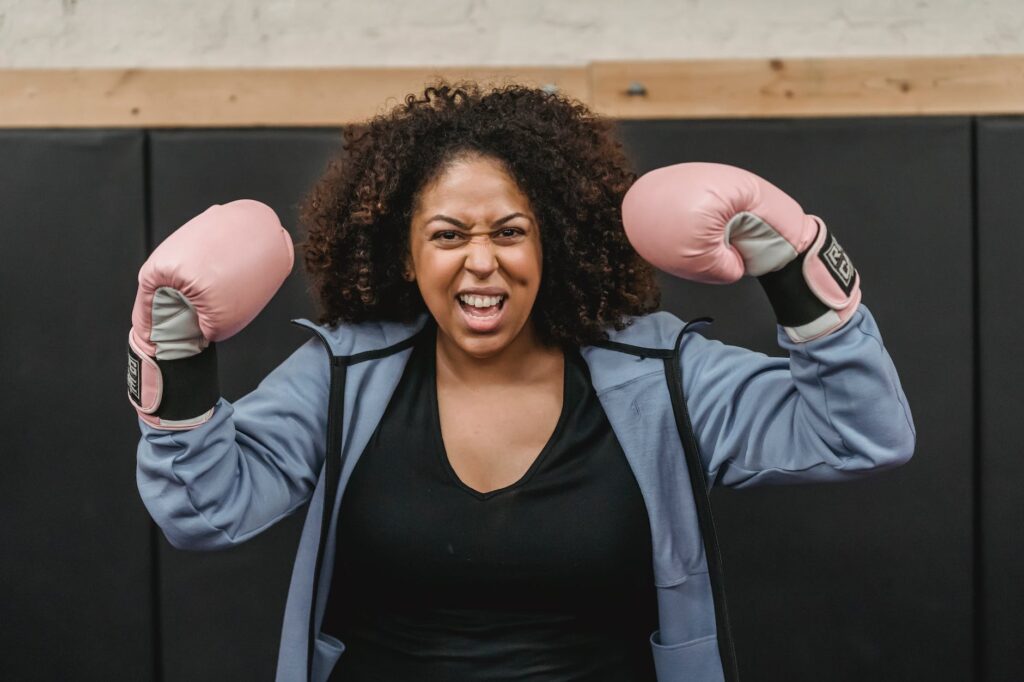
(482, 314)
(482, 307)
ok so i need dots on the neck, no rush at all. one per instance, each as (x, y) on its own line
(524, 361)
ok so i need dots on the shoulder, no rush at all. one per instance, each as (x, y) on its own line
(634, 352)
(351, 338)
(654, 331)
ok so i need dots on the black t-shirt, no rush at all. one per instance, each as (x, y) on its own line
(549, 578)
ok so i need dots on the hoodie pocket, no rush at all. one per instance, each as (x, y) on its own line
(696, 659)
(326, 652)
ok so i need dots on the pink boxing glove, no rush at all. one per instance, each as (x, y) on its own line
(714, 223)
(202, 284)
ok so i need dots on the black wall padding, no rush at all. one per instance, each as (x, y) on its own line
(873, 580)
(869, 580)
(76, 571)
(222, 612)
(1001, 321)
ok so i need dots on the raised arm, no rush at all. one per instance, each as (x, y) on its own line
(834, 408)
(253, 463)
(212, 473)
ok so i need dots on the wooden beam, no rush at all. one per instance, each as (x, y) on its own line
(154, 98)
(748, 88)
(757, 88)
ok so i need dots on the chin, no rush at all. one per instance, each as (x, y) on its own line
(482, 346)
(480, 338)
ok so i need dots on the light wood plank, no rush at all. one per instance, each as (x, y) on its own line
(755, 88)
(155, 98)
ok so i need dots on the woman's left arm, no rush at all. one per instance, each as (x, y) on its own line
(833, 410)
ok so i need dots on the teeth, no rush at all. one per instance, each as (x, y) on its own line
(480, 301)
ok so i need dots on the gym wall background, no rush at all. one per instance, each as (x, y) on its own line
(899, 121)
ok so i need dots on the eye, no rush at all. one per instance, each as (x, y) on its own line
(446, 236)
(509, 232)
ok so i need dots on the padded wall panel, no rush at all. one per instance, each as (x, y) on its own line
(1001, 322)
(869, 580)
(75, 578)
(222, 612)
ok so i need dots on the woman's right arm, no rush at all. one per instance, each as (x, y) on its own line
(253, 463)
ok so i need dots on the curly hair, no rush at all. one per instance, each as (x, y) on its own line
(566, 161)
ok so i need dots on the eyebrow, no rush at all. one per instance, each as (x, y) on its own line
(464, 226)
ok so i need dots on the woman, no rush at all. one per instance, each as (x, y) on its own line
(507, 496)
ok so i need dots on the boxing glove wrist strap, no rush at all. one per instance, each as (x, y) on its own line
(817, 292)
(174, 393)
(792, 300)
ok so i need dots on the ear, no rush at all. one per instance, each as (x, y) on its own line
(408, 273)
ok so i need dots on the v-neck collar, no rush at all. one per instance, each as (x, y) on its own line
(438, 437)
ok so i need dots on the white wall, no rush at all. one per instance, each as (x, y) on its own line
(266, 33)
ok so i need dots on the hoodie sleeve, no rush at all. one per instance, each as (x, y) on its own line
(253, 463)
(833, 410)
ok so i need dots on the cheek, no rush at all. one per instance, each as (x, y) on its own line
(435, 273)
(434, 265)
(525, 265)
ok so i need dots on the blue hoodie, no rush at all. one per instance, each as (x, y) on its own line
(833, 410)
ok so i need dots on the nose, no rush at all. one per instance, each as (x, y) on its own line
(481, 256)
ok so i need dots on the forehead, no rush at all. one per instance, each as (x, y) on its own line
(473, 184)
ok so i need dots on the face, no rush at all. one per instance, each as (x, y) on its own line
(475, 255)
